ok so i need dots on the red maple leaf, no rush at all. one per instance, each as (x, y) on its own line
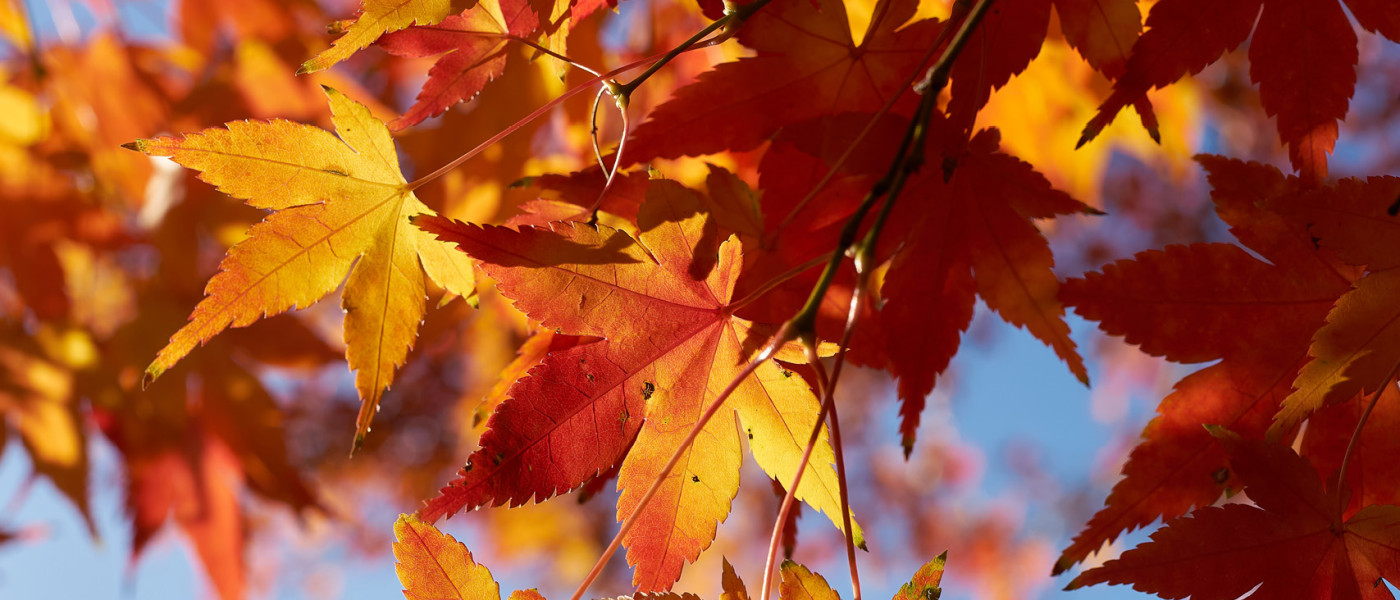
(1293, 544)
(740, 104)
(1206, 302)
(1303, 57)
(473, 48)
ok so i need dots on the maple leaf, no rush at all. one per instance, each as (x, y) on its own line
(1199, 303)
(376, 18)
(739, 104)
(341, 206)
(971, 236)
(1359, 346)
(798, 583)
(1103, 31)
(662, 303)
(1303, 57)
(435, 566)
(473, 48)
(192, 444)
(1292, 544)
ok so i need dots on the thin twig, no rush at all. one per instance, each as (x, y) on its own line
(541, 111)
(786, 508)
(1388, 381)
(777, 281)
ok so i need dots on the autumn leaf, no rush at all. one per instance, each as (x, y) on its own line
(472, 46)
(798, 583)
(662, 303)
(1103, 31)
(435, 566)
(924, 585)
(732, 585)
(376, 18)
(740, 104)
(340, 205)
(1303, 57)
(969, 237)
(1359, 347)
(1291, 544)
(1200, 303)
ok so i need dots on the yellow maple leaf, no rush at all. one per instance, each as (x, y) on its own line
(341, 206)
(376, 18)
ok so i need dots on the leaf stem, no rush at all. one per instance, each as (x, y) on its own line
(777, 281)
(543, 50)
(457, 162)
(786, 508)
(728, 22)
(1386, 382)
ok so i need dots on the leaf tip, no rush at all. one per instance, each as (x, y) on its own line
(1064, 563)
(357, 443)
(152, 373)
(137, 145)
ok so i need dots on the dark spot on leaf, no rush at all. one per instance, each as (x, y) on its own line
(787, 373)
(1221, 475)
(467, 468)
(498, 458)
(589, 376)
(932, 593)
(750, 433)
(695, 478)
(647, 390)
(334, 171)
(1316, 241)
(1394, 209)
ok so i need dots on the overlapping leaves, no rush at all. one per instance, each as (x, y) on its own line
(663, 302)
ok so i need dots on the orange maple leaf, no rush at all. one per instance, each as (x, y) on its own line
(663, 303)
(341, 206)
(435, 566)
